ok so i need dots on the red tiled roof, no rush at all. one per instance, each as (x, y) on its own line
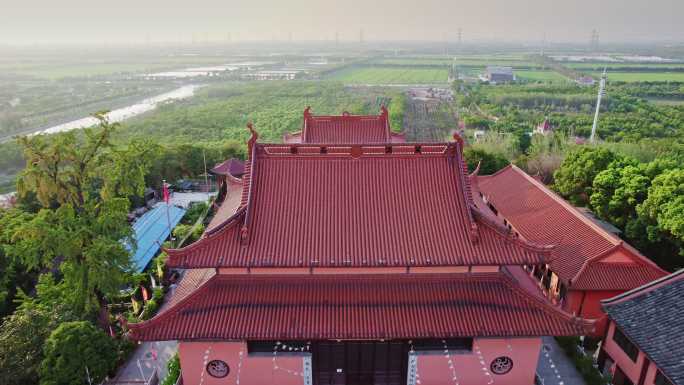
(599, 275)
(345, 129)
(539, 215)
(192, 279)
(391, 306)
(311, 205)
(233, 167)
(231, 202)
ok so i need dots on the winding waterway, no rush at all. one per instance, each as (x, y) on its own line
(121, 114)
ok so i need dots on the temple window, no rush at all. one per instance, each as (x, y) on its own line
(660, 379)
(625, 344)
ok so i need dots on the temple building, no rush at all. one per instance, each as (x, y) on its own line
(351, 259)
(644, 342)
(345, 129)
(588, 264)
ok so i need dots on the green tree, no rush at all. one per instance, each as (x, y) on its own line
(489, 162)
(83, 183)
(575, 177)
(23, 334)
(663, 210)
(75, 352)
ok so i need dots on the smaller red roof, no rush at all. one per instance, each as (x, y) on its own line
(390, 306)
(230, 204)
(581, 246)
(233, 167)
(345, 129)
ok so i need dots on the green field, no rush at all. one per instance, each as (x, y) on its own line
(379, 75)
(549, 76)
(413, 61)
(643, 76)
(598, 66)
(60, 68)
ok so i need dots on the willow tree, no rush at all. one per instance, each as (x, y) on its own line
(82, 181)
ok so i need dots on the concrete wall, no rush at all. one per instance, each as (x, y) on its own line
(433, 369)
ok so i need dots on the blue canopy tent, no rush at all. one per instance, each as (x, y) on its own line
(150, 231)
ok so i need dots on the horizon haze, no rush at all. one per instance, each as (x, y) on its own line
(127, 21)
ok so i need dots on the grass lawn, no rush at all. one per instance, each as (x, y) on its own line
(379, 75)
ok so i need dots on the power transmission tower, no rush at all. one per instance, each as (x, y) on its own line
(594, 40)
(337, 39)
(361, 36)
(460, 36)
(601, 92)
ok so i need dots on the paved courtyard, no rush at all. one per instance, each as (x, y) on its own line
(554, 367)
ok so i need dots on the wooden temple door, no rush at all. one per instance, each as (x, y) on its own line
(360, 363)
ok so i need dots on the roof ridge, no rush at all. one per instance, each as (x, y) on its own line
(643, 289)
(461, 169)
(572, 209)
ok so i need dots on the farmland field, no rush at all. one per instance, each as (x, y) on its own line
(379, 75)
(644, 76)
(551, 76)
(413, 61)
(635, 66)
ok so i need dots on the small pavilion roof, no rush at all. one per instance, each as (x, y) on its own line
(582, 253)
(357, 206)
(651, 317)
(345, 129)
(389, 306)
(233, 167)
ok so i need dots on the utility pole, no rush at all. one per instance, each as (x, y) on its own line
(601, 92)
(206, 175)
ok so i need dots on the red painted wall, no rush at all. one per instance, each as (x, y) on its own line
(470, 368)
(591, 309)
(631, 369)
(433, 369)
(249, 370)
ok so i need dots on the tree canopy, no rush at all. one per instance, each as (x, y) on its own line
(77, 353)
(82, 183)
(574, 179)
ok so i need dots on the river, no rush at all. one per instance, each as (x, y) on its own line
(121, 114)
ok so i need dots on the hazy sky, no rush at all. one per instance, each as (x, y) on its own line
(76, 21)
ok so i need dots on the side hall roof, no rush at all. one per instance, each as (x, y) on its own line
(651, 317)
(389, 306)
(357, 206)
(345, 128)
(584, 255)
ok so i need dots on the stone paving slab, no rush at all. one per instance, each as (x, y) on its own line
(554, 367)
